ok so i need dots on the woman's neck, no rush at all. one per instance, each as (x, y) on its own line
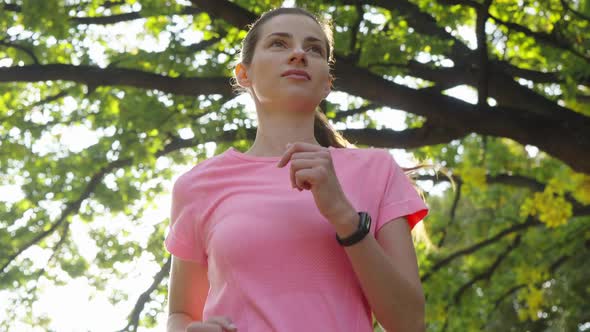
(272, 141)
(282, 124)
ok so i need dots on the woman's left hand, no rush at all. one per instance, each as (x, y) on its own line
(312, 169)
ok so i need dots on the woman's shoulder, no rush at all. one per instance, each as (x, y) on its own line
(369, 154)
(200, 170)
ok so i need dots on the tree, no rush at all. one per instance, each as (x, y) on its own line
(507, 245)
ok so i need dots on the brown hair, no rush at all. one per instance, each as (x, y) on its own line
(324, 133)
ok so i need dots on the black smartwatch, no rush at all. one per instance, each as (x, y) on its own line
(361, 232)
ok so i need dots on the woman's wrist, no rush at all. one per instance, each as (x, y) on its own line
(178, 322)
(347, 223)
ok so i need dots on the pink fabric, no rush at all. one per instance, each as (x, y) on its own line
(273, 261)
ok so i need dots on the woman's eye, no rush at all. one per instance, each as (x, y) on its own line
(316, 49)
(277, 42)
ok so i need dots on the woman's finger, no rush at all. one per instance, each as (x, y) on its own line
(222, 321)
(307, 176)
(204, 327)
(299, 164)
(297, 148)
(306, 155)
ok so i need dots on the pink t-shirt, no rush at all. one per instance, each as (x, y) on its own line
(273, 260)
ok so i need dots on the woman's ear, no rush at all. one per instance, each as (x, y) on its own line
(241, 73)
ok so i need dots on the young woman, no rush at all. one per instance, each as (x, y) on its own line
(299, 233)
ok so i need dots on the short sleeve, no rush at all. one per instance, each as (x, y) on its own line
(400, 198)
(183, 239)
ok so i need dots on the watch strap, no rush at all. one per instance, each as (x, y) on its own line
(363, 229)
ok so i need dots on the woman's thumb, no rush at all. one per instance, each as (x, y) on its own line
(224, 322)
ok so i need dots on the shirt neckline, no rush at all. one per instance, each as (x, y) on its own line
(233, 152)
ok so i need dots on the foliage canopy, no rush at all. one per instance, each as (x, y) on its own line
(508, 246)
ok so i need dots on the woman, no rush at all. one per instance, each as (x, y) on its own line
(251, 253)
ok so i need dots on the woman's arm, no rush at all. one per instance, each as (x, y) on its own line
(387, 270)
(187, 291)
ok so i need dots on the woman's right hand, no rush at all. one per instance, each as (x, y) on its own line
(213, 324)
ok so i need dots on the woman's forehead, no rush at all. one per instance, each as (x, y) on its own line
(293, 25)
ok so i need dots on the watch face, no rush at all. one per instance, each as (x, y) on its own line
(366, 221)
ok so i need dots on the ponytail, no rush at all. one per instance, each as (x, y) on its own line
(325, 134)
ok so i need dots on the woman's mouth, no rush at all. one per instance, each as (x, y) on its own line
(297, 74)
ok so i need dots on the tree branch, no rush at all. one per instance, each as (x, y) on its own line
(561, 134)
(113, 3)
(110, 19)
(94, 77)
(530, 222)
(451, 214)
(552, 268)
(503, 87)
(11, 7)
(39, 103)
(518, 181)
(70, 208)
(532, 75)
(408, 138)
(502, 122)
(482, 50)
(508, 293)
(405, 139)
(550, 39)
(29, 52)
(448, 76)
(54, 252)
(423, 23)
(204, 44)
(567, 7)
(348, 113)
(73, 206)
(145, 297)
(228, 11)
(489, 272)
(452, 113)
(354, 51)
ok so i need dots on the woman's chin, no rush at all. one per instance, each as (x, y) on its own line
(294, 100)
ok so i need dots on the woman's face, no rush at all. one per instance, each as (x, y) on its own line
(289, 65)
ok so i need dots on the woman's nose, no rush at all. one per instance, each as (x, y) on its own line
(298, 55)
